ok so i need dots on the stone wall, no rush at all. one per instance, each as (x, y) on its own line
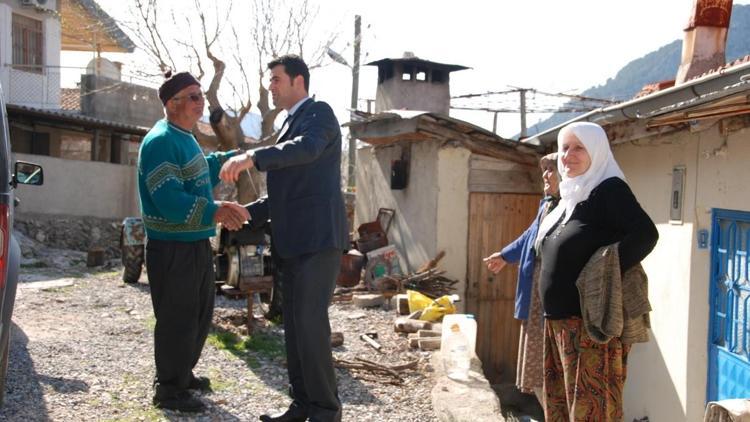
(73, 233)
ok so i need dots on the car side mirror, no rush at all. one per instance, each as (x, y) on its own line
(27, 174)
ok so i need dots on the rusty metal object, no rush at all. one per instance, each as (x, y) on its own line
(134, 231)
(351, 269)
(374, 235)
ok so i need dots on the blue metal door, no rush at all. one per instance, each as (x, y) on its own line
(729, 330)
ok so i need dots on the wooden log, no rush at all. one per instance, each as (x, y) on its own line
(368, 300)
(402, 304)
(432, 263)
(429, 333)
(337, 339)
(370, 342)
(344, 297)
(407, 325)
(95, 257)
(431, 343)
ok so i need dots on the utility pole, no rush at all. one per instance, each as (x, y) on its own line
(355, 94)
(522, 91)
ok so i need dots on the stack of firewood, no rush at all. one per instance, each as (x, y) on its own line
(427, 280)
(424, 335)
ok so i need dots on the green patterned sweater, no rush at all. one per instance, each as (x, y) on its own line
(175, 183)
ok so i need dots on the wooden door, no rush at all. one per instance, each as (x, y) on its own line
(496, 219)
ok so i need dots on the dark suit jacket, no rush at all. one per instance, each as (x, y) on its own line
(304, 201)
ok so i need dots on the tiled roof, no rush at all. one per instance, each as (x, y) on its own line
(659, 86)
(70, 99)
(724, 67)
(654, 87)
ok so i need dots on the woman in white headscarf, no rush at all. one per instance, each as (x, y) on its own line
(583, 380)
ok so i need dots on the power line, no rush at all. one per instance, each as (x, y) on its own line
(534, 91)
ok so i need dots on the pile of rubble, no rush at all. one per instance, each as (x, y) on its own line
(389, 291)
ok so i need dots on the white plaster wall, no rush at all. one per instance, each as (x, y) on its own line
(722, 163)
(6, 46)
(413, 231)
(656, 385)
(52, 45)
(453, 214)
(667, 377)
(80, 188)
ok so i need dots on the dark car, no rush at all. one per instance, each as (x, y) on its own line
(10, 252)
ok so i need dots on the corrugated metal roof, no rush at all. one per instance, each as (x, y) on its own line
(71, 117)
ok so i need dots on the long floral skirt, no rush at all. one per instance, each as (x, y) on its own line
(530, 367)
(583, 380)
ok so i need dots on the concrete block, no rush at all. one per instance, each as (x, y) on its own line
(463, 401)
(368, 300)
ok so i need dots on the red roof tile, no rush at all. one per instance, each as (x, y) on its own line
(658, 86)
(654, 87)
(726, 66)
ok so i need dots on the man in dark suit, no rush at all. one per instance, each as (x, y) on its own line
(309, 229)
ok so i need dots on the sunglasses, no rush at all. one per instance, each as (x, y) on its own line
(193, 97)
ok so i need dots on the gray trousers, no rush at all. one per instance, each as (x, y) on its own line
(182, 281)
(307, 283)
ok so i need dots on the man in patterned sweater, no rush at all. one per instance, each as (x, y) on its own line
(175, 182)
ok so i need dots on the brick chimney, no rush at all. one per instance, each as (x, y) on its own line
(705, 39)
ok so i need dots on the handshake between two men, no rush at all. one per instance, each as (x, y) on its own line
(231, 214)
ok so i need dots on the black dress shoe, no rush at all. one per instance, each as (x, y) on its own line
(200, 383)
(293, 414)
(182, 401)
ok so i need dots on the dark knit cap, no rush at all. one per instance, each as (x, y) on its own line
(174, 84)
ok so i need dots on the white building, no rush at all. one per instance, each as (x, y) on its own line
(30, 39)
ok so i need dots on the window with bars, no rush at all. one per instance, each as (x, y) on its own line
(28, 43)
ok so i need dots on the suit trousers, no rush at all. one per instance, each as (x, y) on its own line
(181, 276)
(308, 282)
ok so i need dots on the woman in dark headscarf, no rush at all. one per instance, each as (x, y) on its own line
(583, 380)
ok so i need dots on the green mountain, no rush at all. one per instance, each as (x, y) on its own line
(657, 66)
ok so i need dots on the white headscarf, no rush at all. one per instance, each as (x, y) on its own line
(577, 189)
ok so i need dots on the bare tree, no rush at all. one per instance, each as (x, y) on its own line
(276, 28)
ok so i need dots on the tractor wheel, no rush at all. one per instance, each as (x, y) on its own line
(270, 303)
(132, 261)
